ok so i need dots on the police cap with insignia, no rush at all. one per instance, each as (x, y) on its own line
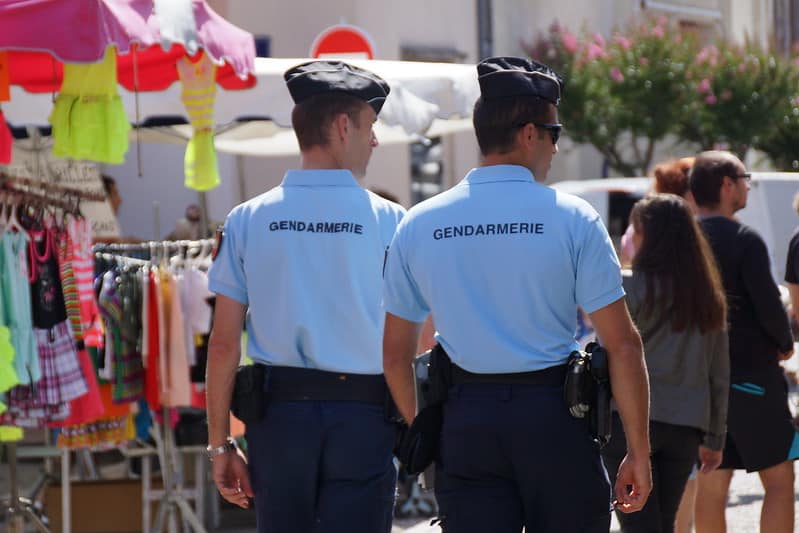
(318, 77)
(501, 77)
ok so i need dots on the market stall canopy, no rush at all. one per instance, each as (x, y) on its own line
(266, 139)
(425, 99)
(37, 36)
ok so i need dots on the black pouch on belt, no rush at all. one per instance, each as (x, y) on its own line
(248, 402)
(419, 446)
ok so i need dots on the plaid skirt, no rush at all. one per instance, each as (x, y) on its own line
(62, 380)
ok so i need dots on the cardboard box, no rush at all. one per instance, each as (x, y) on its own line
(99, 506)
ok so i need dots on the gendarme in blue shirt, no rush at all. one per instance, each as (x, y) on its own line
(502, 262)
(307, 258)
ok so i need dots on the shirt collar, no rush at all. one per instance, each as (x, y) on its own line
(494, 173)
(319, 178)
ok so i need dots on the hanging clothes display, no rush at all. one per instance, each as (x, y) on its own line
(61, 380)
(89, 120)
(171, 303)
(76, 271)
(198, 77)
(16, 303)
(46, 300)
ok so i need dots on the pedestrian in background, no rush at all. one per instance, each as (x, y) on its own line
(760, 433)
(792, 265)
(502, 261)
(671, 177)
(677, 301)
(303, 263)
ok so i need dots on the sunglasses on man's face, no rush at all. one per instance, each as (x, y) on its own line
(553, 129)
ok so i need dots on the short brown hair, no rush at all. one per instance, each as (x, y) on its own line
(312, 117)
(671, 177)
(707, 176)
(497, 120)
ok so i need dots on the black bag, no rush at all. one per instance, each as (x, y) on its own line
(248, 402)
(419, 446)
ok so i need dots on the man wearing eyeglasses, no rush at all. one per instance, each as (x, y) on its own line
(502, 262)
(760, 434)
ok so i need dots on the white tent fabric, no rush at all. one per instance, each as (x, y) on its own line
(266, 139)
(422, 94)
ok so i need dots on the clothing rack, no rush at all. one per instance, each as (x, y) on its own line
(19, 509)
(19, 184)
(149, 245)
(173, 499)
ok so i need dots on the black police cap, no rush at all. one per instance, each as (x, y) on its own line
(318, 77)
(515, 76)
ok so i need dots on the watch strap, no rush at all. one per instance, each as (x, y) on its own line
(228, 446)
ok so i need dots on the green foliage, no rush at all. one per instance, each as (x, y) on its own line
(626, 95)
(781, 142)
(736, 96)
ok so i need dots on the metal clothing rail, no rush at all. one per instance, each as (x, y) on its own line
(48, 186)
(19, 509)
(37, 197)
(151, 246)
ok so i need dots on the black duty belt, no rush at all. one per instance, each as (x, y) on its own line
(552, 376)
(290, 384)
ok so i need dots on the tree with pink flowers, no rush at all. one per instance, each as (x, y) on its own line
(650, 84)
(735, 97)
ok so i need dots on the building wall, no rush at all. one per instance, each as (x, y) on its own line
(391, 25)
(451, 25)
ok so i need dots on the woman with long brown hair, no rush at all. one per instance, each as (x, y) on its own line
(677, 300)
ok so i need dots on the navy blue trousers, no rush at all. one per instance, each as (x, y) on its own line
(513, 457)
(322, 467)
(674, 453)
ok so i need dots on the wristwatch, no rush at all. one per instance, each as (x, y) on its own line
(228, 446)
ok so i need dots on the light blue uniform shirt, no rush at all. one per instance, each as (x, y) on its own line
(502, 262)
(307, 258)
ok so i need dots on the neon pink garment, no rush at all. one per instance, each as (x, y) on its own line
(6, 142)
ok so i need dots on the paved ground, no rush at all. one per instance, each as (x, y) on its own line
(742, 512)
(743, 509)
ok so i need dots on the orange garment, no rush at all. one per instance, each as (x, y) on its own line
(5, 84)
(112, 409)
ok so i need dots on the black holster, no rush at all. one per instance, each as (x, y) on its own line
(419, 446)
(250, 393)
(587, 391)
(600, 419)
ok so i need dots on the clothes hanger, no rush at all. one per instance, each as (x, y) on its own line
(12, 222)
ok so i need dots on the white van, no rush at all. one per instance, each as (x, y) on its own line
(769, 208)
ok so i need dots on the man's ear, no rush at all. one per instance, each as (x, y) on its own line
(526, 135)
(341, 125)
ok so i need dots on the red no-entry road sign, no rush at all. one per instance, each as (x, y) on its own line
(343, 40)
